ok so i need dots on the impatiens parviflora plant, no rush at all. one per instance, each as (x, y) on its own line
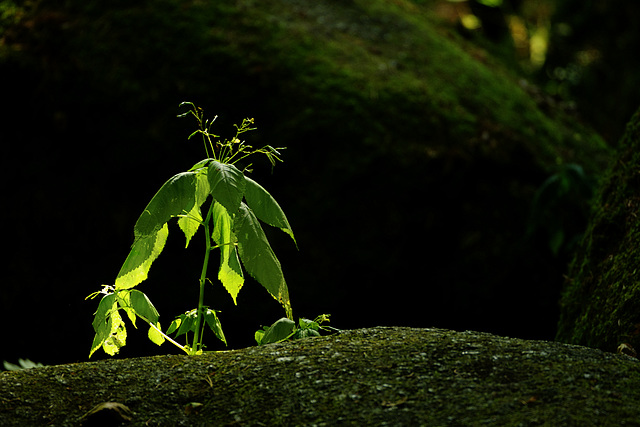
(235, 204)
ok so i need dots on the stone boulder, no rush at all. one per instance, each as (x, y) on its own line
(376, 376)
(601, 301)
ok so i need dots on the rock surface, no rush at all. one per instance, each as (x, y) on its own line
(376, 376)
(601, 302)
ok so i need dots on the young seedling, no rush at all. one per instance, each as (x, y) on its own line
(231, 225)
(285, 329)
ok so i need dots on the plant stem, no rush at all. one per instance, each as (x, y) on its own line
(167, 337)
(197, 337)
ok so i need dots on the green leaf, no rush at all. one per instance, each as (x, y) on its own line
(190, 222)
(201, 164)
(173, 326)
(308, 324)
(101, 316)
(265, 207)
(258, 257)
(230, 272)
(124, 301)
(279, 331)
(215, 325)
(118, 337)
(259, 335)
(143, 253)
(305, 333)
(175, 197)
(227, 184)
(143, 306)
(102, 321)
(155, 336)
(186, 322)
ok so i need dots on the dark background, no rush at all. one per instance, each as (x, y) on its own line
(89, 134)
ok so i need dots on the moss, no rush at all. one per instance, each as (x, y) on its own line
(601, 303)
(373, 376)
(386, 55)
(374, 56)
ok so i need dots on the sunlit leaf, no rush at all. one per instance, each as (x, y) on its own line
(259, 335)
(175, 197)
(200, 164)
(144, 252)
(190, 222)
(125, 303)
(118, 337)
(173, 326)
(155, 336)
(258, 257)
(230, 272)
(265, 207)
(102, 321)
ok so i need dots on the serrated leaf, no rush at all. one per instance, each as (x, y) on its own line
(265, 207)
(230, 272)
(125, 303)
(118, 337)
(102, 321)
(190, 222)
(175, 197)
(258, 257)
(226, 184)
(101, 316)
(144, 252)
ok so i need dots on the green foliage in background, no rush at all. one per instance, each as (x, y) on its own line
(231, 225)
(560, 208)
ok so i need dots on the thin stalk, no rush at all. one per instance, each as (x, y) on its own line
(167, 337)
(197, 337)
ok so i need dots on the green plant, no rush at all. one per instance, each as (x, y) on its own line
(285, 329)
(22, 364)
(231, 225)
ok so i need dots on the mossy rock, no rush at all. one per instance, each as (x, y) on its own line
(376, 376)
(601, 303)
